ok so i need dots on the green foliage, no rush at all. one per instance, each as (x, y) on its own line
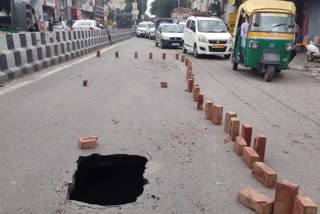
(128, 6)
(163, 8)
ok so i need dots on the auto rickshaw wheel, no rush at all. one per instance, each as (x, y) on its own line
(235, 66)
(310, 58)
(268, 76)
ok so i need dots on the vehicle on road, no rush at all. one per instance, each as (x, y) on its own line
(159, 21)
(61, 26)
(150, 30)
(169, 35)
(313, 50)
(124, 20)
(182, 24)
(86, 25)
(17, 16)
(207, 36)
(141, 29)
(269, 43)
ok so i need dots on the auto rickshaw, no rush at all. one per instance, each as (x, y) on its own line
(270, 39)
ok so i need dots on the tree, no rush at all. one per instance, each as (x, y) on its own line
(128, 6)
(163, 8)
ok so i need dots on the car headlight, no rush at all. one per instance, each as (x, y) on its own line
(166, 38)
(203, 39)
(289, 47)
(230, 41)
(254, 45)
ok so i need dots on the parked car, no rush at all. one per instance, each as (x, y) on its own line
(169, 35)
(61, 25)
(86, 25)
(141, 29)
(150, 31)
(207, 35)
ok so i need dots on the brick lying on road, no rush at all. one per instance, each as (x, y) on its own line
(249, 156)
(264, 174)
(234, 128)
(255, 200)
(164, 84)
(88, 142)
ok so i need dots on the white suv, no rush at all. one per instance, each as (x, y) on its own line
(207, 35)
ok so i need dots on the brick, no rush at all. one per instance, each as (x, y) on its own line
(85, 83)
(88, 142)
(286, 193)
(255, 200)
(249, 156)
(234, 128)
(150, 56)
(264, 174)
(229, 115)
(164, 84)
(98, 53)
(190, 84)
(188, 74)
(116, 54)
(200, 102)
(135, 55)
(217, 112)
(304, 205)
(177, 56)
(196, 93)
(240, 143)
(186, 61)
(260, 146)
(246, 133)
(164, 55)
(208, 109)
(193, 89)
(182, 58)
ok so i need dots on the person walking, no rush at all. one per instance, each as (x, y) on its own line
(244, 32)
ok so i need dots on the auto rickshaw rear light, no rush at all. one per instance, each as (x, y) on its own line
(254, 45)
(289, 47)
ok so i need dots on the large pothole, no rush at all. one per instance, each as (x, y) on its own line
(108, 180)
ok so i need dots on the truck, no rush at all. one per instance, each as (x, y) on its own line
(17, 16)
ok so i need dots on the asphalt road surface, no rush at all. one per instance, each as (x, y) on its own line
(192, 165)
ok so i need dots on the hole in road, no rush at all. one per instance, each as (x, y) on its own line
(108, 179)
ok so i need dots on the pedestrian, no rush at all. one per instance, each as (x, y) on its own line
(244, 32)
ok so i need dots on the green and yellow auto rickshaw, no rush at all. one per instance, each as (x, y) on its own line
(269, 41)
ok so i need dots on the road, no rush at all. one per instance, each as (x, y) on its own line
(192, 166)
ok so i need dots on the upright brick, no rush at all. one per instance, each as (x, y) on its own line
(193, 89)
(264, 174)
(150, 56)
(87, 142)
(260, 146)
(229, 115)
(217, 113)
(200, 102)
(182, 58)
(164, 55)
(234, 128)
(286, 193)
(196, 93)
(304, 205)
(240, 143)
(164, 84)
(255, 200)
(246, 133)
(208, 109)
(177, 56)
(190, 84)
(249, 156)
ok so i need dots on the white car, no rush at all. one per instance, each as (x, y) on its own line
(208, 36)
(61, 25)
(86, 25)
(150, 31)
(141, 29)
(169, 35)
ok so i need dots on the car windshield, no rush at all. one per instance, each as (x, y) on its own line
(172, 29)
(83, 23)
(272, 22)
(211, 26)
(142, 25)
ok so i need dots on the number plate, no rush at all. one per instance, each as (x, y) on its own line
(217, 46)
(174, 44)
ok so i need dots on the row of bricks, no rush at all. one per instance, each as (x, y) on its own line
(164, 55)
(254, 159)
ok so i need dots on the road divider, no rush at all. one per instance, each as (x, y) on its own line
(98, 53)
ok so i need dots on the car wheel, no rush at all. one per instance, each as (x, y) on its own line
(268, 76)
(235, 66)
(227, 56)
(195, 51)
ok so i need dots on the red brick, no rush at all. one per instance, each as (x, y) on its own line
(182, 58)
(98, 53)
(150, 56)
(255, 200)
(164, 55)
(196, 93)
(200, 102)
(116, 54)
(229, 115)
(304, 205)
(190, 84)
(177, 56)
(249, 156)
(208, 109)
(240, 143)
(135, 55)
(164, 84)
(264, 174)
(246, 133)
(85, 83)
(260, 146)
(234, 128)
(217, 113)
(186, 62)
(88, 142)
(193, 89)
(286, 193)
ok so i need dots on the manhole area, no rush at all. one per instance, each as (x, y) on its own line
(108, 180)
